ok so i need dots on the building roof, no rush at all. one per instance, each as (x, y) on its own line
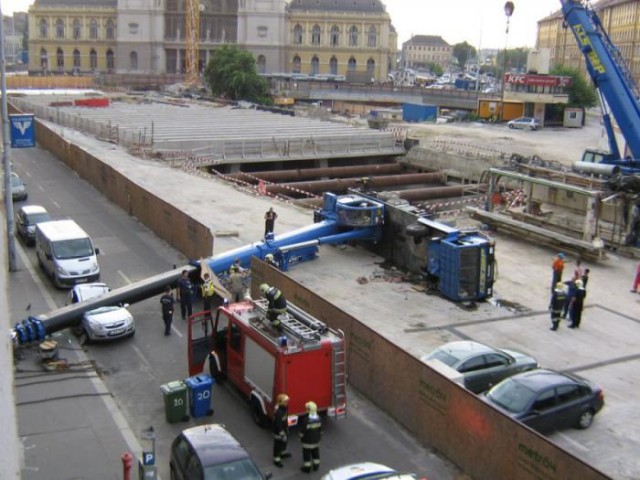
(366, 6)
(76, 3)
(431, 40)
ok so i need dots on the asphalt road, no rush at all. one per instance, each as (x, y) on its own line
(133, 369)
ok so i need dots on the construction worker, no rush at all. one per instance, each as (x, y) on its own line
(277, 303)
(208, 291)
(269, 221)
(310, 431)
(236, 284)
(281, 430)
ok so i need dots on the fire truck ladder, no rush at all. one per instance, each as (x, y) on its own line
(339, 374)
(290, 323)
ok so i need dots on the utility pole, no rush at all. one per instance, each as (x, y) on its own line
(6, 162)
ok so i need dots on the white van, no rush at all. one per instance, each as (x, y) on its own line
(66, 253)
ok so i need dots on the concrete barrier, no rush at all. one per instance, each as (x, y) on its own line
(482, 441)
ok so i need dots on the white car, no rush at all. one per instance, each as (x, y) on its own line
(529, 123)
(102, 323)
(367, 471)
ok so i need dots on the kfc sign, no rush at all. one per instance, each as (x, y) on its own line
(537, 80)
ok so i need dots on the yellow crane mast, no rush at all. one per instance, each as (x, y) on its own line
(192, 36)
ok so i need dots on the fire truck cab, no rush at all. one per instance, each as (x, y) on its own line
(304, 358)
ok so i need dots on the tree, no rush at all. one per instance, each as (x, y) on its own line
(516, 59)
(463, 52)
(435, 69)
(231, 73)
(581, 93)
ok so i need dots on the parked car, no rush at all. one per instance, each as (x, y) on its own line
(18, 188)
(27, 217)
(529, 123)
(481, 365)
(102, 323)
(547, 400)
(211, 452)
(367, 471)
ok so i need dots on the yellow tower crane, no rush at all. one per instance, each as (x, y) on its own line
(192, 35)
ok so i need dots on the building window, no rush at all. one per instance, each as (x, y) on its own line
(60, 58)
(372, 38)
(76, 58)
(315, 35)
(333, 65)
(296, 64)
(59, 28)
(371, 66)
(77, 30)
(133, 61)
(297, 35)
(262, 64)
(44, 28)
(353, 36)
(335, 36)
(315, 65)
(93, 29)
(111, 63)
(44, 59)
(93, 59)
(111, 29)
(352, 64)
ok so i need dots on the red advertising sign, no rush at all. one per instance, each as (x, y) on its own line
(537, 80)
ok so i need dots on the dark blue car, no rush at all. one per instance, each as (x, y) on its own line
(546, 400)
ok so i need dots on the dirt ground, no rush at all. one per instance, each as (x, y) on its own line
(565, 145)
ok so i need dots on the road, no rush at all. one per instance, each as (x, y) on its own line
(133, 369)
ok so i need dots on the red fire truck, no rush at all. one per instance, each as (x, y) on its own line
(304, 358)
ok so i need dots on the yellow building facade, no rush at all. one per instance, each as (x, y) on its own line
(65, 38)
(620, 19)
(326, 37)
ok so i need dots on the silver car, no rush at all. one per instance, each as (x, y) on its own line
(103, 323)
(482, 366)
(18, 187)
(528, 123)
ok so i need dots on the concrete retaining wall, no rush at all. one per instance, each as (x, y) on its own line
(182, 232)
(486, 444)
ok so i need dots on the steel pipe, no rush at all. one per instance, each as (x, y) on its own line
(596, 168)
(342, 185)
(310, 173)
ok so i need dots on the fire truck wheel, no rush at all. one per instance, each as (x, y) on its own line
(258, 415)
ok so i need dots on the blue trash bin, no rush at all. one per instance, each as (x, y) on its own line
(200, 395)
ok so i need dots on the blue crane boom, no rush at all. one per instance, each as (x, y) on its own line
(612, 78)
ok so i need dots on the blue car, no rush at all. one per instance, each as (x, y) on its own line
(547, 400)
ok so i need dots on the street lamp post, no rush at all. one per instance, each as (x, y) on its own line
(508, 11)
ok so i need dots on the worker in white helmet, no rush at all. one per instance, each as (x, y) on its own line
(310, 431)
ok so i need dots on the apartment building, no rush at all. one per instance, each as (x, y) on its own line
(621, 20)
(421, 50)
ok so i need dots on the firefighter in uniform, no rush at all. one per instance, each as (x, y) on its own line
(280, 430)
(558, 300)
(207, 292)
(277, 303)
(310, 431)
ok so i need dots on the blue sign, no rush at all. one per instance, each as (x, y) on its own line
(23, 131)
(148, 458)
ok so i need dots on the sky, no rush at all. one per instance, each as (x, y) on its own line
(481, 23)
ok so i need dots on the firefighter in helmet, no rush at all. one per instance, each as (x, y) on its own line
(280, 430)
(310, 431)
(270, 259)
(277, 303)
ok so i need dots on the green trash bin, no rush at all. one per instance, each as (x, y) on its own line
(175, 401)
